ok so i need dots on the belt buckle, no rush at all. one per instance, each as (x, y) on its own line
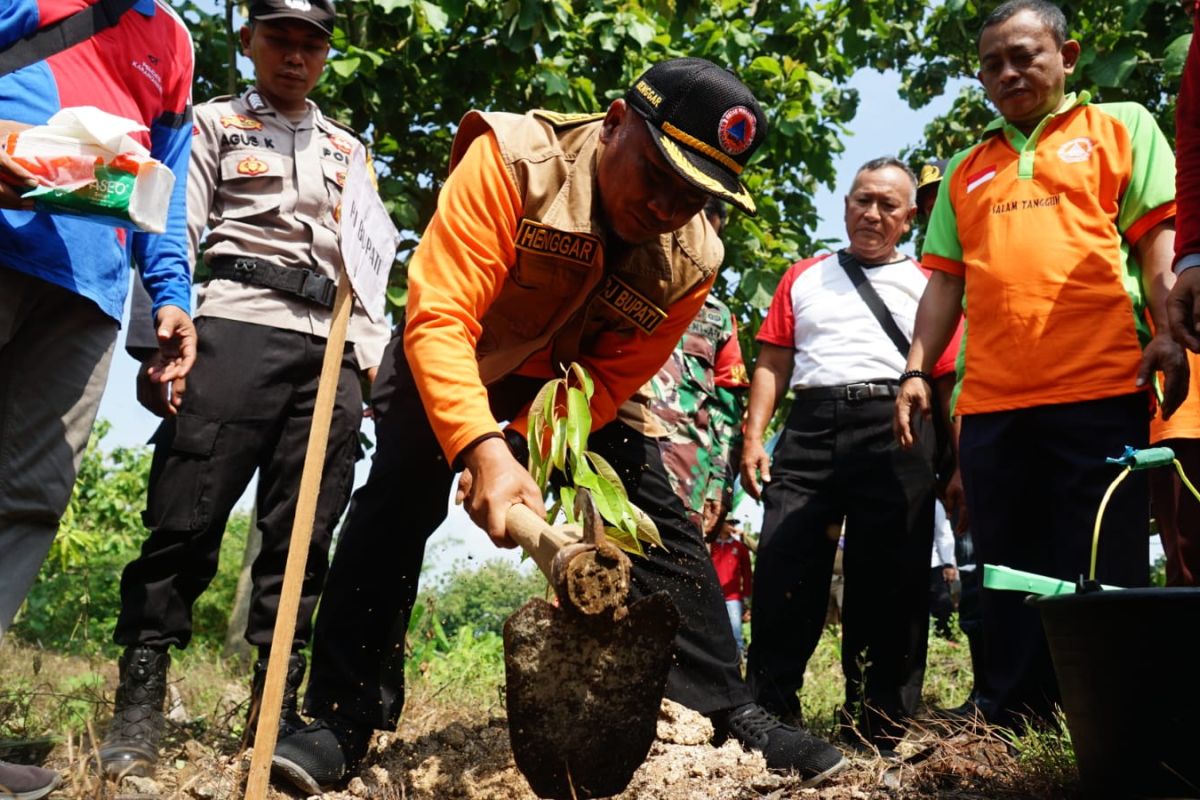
(857, 392)
(246, 265)
(315, 287)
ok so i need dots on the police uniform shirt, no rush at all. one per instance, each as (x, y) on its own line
(270, 188)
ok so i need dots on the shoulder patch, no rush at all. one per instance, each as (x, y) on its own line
(561, 120)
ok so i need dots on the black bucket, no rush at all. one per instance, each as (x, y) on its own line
(1128, 665)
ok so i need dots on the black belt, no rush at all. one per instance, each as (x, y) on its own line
(303, 283)
(851, 392)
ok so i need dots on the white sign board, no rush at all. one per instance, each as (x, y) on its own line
(368, 237)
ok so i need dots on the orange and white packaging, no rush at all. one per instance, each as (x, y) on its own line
(87, 164)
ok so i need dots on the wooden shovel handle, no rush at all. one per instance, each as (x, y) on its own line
(537, 538)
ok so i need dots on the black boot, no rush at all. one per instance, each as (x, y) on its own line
(289, 714)
(131, 744)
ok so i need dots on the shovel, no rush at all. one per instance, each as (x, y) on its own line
(584, 677)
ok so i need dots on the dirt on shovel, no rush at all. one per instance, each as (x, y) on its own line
(585, 678)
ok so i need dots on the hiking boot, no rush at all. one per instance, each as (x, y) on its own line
(785, 747)
(290, 720)
(131, 745)
(20, 782)
(321, 755)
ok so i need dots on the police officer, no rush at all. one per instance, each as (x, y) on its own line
(266, 178)
(557, 238)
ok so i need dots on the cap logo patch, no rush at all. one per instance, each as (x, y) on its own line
(252, 166)
(1076, 150)
(736, 130)
(646, 91)
(241, 123)
(298, 5)
(632, 305)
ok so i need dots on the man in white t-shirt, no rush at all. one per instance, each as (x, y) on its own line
(837, 457)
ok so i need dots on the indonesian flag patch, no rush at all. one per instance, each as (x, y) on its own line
(980, 178)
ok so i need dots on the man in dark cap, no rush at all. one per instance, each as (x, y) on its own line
(557, 238)
(266, 180)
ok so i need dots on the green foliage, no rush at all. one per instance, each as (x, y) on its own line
(1133, 50)
(481, 599)
(73, 606)
(405, 71)
(454, 633)
(560, 420)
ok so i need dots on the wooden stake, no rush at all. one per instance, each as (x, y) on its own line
(293, 576)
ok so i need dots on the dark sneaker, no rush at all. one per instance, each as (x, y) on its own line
(131, 745)
(320, 755)
(19, 782)
(786, 748)
(290, 720)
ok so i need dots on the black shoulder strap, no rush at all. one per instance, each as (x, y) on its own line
(874, 302)
(62, 35)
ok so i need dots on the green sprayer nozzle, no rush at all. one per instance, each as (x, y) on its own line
(1149, 458)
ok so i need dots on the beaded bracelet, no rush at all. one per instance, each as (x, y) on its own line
(916, 373)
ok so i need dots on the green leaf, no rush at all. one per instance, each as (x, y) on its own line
(623, 540)
(345, 67)
(558, 445)
(435, 17)
(767, 65)
(389, 6)
(605, 471)
(1112, 69)
(579, 420)
(566, 496)
(1134, 11)
(1175, 55)
(647, 531)
(585, 380)
(758, 287)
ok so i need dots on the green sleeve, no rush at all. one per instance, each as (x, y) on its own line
(1152, 172)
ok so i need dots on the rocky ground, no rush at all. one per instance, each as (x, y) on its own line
(443, 753)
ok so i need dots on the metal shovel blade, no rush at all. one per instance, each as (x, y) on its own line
(583, 694)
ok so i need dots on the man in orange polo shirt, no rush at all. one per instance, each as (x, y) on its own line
(1057, 229)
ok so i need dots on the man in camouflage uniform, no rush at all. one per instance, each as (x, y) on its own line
(699, 397)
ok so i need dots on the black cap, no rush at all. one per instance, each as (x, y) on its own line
(705, 121)
(315, 12)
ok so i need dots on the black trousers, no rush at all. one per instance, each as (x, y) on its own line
(358, 650)
(1034, 479)
(248, 406)
(839, 459)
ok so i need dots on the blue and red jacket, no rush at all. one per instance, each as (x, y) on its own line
(141, 68)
